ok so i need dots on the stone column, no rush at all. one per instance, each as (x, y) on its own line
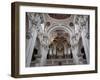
(85, 28)
(86, 45)
(65, 49)
(80, 31)
(31, 35)
(75, 48)
(35, 30)
(75, 52)
(44, 49)
(44, 53)
(30, 46)
(69, 51)
(50, 51)
(54, 49)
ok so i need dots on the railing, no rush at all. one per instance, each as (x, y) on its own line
(53, 62)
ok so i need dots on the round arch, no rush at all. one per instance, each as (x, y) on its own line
(57, 27)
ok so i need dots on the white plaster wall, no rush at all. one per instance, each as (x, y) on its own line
(5, 40)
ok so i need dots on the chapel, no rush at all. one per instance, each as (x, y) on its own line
(54, 39)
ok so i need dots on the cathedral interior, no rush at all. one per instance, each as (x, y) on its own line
(56, 39)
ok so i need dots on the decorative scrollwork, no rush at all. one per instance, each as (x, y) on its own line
(81, 20)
